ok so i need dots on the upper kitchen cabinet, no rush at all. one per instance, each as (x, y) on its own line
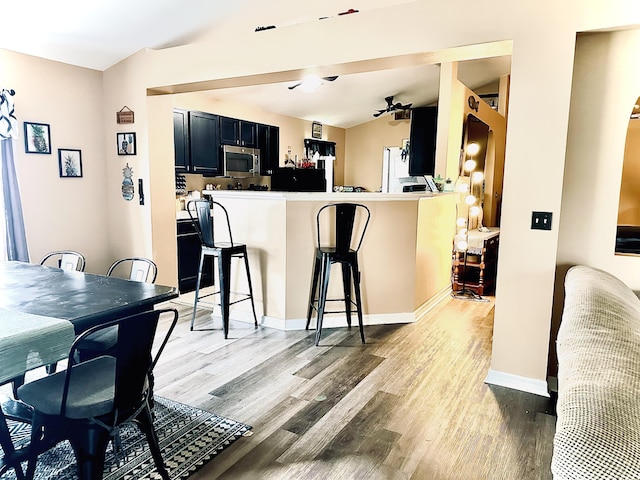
(238, 132)
(204, 143)
(269, 145)
(181, 139)
(422, 142)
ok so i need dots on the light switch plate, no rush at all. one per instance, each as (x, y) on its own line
(541, 220)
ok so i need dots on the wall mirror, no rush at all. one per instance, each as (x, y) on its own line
(628, 229)
(475, 132)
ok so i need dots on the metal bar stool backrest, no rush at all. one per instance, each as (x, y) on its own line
(204, 217)
(346, 216)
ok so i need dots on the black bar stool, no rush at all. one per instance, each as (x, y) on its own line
(338, 246)
(200, 212)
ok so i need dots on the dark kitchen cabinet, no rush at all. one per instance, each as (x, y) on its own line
(189, 258)
(269, 145)
(422, 141)
(238, 132)
(181, 139)
(324, 148)
(204, 143)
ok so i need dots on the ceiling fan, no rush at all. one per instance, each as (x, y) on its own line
(328, 79)
(392, 107)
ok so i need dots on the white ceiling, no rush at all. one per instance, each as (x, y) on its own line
(98, 34)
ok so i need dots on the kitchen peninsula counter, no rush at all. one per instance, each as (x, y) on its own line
(405, 259)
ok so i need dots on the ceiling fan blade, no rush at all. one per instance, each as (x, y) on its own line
(294, 86)
(330, 79)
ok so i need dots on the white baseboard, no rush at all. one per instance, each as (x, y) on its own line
(516, 382)
(330, 321)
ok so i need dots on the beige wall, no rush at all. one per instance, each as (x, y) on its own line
(629, 206)
(61, 213)
(542, 79)
(365, 146)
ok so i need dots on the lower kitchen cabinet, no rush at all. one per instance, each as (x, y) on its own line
(189, 258)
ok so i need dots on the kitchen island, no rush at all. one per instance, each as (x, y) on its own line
(405, 258)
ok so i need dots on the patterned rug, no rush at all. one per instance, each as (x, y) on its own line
(189, 437)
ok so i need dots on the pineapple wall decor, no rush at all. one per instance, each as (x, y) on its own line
(70, 162)
(37, 138)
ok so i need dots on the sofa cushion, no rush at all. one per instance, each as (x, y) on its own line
(598, 345)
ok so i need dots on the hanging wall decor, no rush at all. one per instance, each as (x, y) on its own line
(37, 138)
(125, 115)
(127, 183)
(126, 143)
(70, 162)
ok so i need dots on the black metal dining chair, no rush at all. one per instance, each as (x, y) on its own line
(88, 402)
(338, 244)
(204, 220)
(137, 269)
(65, 259)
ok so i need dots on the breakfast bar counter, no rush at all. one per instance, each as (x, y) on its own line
(405, 259)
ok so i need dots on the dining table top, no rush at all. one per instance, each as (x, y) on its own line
(84, 299)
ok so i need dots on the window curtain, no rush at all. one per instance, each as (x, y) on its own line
(15, 239)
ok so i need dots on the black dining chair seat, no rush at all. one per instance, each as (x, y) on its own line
(340, 245)
(88, 402)
(135, 269)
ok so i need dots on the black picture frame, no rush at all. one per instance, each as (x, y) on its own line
(126, 143)
(37, 138)
(70, 162)
(316, 130)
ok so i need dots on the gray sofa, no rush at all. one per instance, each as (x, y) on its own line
(598, 425)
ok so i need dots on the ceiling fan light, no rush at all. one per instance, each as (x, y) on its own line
(311, 83)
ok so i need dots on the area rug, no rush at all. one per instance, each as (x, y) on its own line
(189, 438)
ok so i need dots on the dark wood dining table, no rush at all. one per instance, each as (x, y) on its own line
(43, 308)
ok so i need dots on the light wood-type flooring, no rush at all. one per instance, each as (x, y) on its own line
(409, 404)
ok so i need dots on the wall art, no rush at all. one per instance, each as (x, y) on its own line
(37, 138)
(70, 162)
(126, 143)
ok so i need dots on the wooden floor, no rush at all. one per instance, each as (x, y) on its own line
(410, 404)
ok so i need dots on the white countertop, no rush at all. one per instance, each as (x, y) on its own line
(316, 196)
(322, 196)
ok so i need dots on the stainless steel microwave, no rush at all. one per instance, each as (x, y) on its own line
(240, 162)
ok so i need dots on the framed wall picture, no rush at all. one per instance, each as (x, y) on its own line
(70, 162)
(316, 130)
(126, 143)
(37, 138)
